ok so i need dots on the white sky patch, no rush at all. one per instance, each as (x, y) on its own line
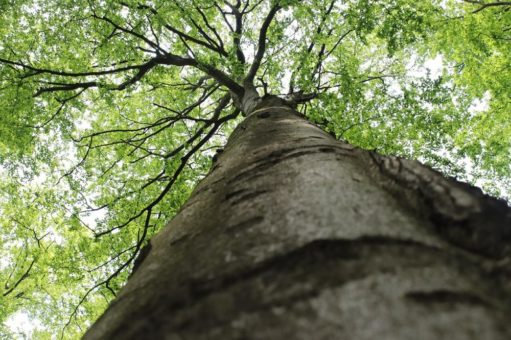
(56, 237)
(23, 325)
(480, 105)
(395, 88)
(4, 262)
(435, 66)
(432, 66)
(93, 218)
(83, 124)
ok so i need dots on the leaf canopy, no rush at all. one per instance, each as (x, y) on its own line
(112, 110)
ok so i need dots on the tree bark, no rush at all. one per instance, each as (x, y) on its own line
(296, 235)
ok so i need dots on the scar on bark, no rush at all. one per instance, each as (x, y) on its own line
(245, 224)
(243, 195)
(447, 297)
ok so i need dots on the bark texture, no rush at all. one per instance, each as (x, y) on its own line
(296, 235)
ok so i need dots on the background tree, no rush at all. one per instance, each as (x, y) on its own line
(111, 112)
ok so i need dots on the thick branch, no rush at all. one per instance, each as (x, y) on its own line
(238, 32)
(222, 78)
(37, 70)
(261, 45)
(162, 58)
(21, 279)
(484, 5)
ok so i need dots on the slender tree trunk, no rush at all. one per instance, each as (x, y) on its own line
(296, 235)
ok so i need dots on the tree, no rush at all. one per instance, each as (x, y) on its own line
(120, 104)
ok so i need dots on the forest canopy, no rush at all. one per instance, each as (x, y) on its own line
(111, 112)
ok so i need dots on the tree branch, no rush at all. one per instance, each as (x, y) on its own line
(261, 45)
(37, 70)
(212, 29)
(21, 279)
(484, 5)
(238, 16)
(216, 122)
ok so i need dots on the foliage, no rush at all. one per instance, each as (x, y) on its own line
(111, 111)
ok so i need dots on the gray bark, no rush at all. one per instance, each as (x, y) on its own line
(296, 235)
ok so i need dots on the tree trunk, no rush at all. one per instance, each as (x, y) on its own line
(296, 235)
